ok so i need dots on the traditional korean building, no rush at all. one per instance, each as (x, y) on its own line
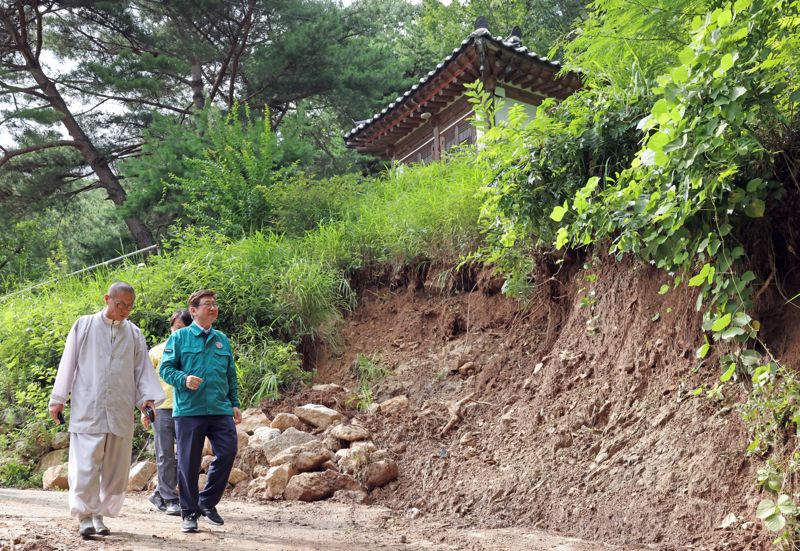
(432, 116)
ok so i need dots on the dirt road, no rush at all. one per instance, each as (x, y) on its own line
(37, 520)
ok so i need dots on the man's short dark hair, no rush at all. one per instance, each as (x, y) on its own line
(194, 299)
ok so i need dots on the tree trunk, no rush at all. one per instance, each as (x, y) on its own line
(198, 99)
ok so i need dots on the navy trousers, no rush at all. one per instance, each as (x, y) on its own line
(191, 432)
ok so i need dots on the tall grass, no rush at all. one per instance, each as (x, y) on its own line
(274, 290)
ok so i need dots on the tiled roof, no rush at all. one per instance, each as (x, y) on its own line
(415, 93)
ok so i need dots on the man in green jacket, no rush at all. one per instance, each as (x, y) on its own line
(198, 363)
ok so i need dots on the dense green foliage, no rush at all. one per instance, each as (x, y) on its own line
(275, 291)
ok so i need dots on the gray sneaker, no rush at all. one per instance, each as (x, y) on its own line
(189, 523)
(158, 501)
(173, 508)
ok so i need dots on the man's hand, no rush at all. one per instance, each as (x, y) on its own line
(145, 418)
(237, 416)
(54, 410)
(192, 382)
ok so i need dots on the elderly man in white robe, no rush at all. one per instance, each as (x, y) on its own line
(107, 370)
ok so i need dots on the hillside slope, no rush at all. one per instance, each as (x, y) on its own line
(577, 412)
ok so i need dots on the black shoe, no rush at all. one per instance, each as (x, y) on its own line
(158, 501)
(212, 516)
(189, 523)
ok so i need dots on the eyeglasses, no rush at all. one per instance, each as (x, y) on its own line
(123, 305)
(208, 304)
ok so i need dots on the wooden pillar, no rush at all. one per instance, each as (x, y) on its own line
(437, 145)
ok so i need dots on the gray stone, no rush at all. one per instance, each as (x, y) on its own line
(290, 437)
(284, 421)
(140, 474)
(305, 457)
(349, 433)
(60, 441)
(380, 473)
(317, 486)
(318, 415)
(55, 478)
(252, 419)
(261, 436)
(51, 459)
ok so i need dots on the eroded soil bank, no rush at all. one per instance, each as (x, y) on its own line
(575, 413)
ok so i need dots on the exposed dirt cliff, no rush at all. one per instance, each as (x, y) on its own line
(574, 412)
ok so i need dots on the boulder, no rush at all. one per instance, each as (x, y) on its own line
(318, 415)
(201, 481)
(249, 458)
(51, 459)
(351, 461)
(379, 473)
(252, 418)
(207, 448)
(333, 444)
(237, 476)
(205, 463)
(259, 470)
(283, 421)
(393, 406)
(317, 486)
(60, 441)
(272, 485)
(262, 435)
(305, 457)
(243, 439)
(55, 478)
(140, 474)
(349, 433)
(290, 437)
(364, 446)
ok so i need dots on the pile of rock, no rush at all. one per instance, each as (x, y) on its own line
(311, 454)
(334, 458)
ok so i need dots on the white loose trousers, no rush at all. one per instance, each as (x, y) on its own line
(98, 473)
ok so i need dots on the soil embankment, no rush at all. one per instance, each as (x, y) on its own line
(575, 414)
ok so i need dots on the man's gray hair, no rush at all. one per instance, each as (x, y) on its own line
(120, 287)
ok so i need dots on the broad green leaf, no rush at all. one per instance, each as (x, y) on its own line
(726, 62)
(755, 209)
(786, 505)
(725, 377)
(731, 332)
(721, 323)
(702, 352)
(679, 74)
(700, 278)
(724, 18)
(766, 508)
(561, 238)
(558, 213)
(663, 290)
(775, 522)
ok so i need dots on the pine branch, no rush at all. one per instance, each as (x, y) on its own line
(8, 155)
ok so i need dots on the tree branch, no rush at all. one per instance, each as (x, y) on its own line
(31, 148)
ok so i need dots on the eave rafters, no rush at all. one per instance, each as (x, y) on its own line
(507, 64)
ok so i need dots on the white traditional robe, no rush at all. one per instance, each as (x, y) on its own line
(107, 370)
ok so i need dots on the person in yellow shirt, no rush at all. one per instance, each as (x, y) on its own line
(165, 496)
